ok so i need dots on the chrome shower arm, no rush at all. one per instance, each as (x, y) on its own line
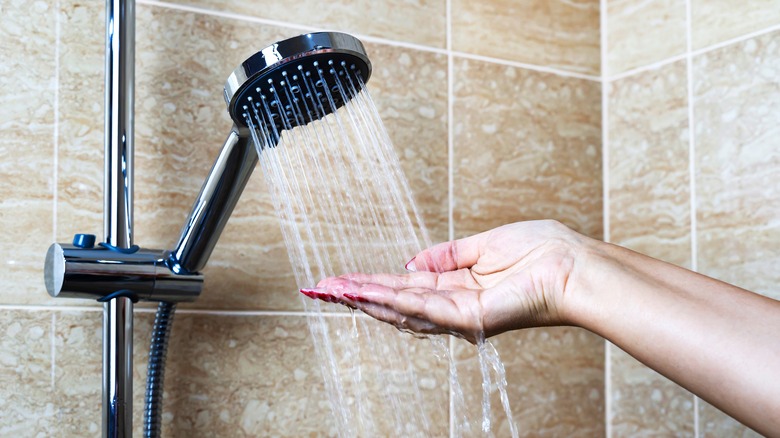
(215, 203)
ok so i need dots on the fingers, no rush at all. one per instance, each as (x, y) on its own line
(451, 280)
(399, 320)
(420, 309)
(449, 256)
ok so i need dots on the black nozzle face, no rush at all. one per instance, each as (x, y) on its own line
(297, 80)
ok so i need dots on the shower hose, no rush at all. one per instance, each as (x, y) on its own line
(155, 373)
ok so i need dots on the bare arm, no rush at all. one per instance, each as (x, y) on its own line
(717, 340)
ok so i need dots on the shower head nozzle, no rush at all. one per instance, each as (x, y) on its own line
(317, 70)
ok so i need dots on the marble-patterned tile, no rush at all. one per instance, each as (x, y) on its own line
(409, 89)
(26, 386)
(248, 375)
(650, 213)
(558, 34)
(648, 171)
(715, 22)
(27, 108)
(78, 370)
(244, 376)
(555, 382)
(713, 423)
(78, 373)
(419, 22)
(394, 384)
(80, 124)
(737, 112)
(645, 403)
(643, 32)
(81, 100)
(527, 146)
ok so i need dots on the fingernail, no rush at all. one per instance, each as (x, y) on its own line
(410, 265)
(355, 298)
(320, 294)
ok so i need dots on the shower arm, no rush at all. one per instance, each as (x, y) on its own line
(214, 204)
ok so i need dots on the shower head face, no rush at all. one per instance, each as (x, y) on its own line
(294, 73)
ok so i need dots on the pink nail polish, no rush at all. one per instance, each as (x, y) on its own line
(308, 292)
(318, 294)
(355, 298)
(410, 265)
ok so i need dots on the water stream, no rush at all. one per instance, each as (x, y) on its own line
(344, 205)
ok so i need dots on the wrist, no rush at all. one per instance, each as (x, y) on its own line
(583, 293)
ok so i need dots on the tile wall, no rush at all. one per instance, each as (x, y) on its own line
(500, 111)
(691, 122)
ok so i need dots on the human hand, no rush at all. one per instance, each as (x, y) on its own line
(512, 277)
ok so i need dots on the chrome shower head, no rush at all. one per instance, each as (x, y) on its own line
(294, 72)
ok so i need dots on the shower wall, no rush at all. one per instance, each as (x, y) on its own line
(499, 110)
(692, 117)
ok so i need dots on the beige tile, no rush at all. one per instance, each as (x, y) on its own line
(81, 83)
(715, 424)
(252, 376)
(737, 112)
(559, 34)
(555, 382)
(26, 386)
(394, 384)
(649, 213)
(526, 146)
(714, 22)
(80, 124)
(79, 368)
(410, 92)
(78, 373)
(648, 171)
(643, 32)
(27, 108)
(420, 22)
(645, 403)
(244, 376)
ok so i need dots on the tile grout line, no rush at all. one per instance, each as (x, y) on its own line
(278, 23)
(369, 38)
(86, 309)
(450, 187)
(525, 66)
(691, 169)
(693, 53)
(648, 67)
(732, 41)
(605, 197)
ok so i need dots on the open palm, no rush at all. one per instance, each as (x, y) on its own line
(512, 277)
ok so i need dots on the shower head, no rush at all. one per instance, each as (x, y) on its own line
(318, 71)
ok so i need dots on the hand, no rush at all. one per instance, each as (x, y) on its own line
(515, 276)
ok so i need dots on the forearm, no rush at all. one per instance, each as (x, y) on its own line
(718, 341)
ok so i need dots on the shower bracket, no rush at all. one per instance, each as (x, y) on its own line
(82, 270)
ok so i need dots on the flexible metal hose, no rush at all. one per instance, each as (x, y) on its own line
(155, 372)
